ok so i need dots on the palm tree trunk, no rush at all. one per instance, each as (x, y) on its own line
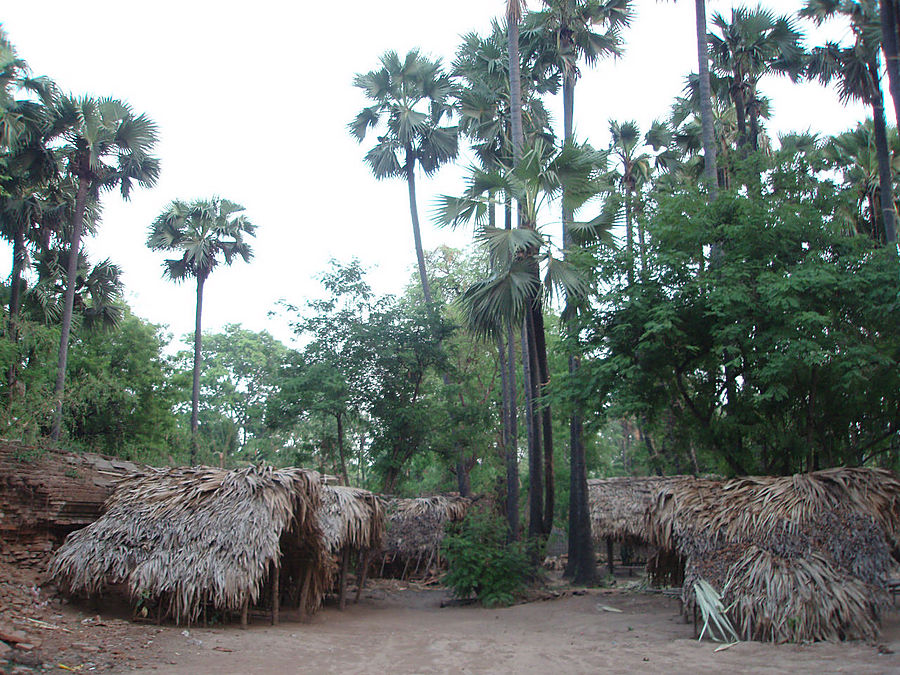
(417, 233)
(629, 239)
(891, 46)
(580, 545)
(535, 465)
(513, 16)
(15, 301)
(543, 375)
(706, 112)
(340, 440)
(69, 305)
(515, 81)
(884, 158)
(195, 389)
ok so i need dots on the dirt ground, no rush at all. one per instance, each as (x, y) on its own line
(399, 628)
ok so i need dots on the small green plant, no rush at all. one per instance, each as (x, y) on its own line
(482, 563)
(72, 473)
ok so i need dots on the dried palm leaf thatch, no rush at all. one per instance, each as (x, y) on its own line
(351, 517)
(802, 557)
(186, 537)
(415, 527)
(619, 505)
(749, 507)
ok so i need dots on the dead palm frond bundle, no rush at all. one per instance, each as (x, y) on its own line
(191, 537)
(802, 557)
(415, 528)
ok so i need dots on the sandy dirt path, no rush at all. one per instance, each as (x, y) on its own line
(408, 632)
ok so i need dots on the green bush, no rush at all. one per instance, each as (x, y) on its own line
(482, 563)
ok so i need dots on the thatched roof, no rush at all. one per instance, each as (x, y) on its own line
(619, 505)
(188, 536)
(415, 527)
(801, 557)
(350, 517)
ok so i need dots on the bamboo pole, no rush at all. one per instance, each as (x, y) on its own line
(245, 611)
(362, 570)
(609, 555)
(304, 593)
(276, 575)
(342, 584)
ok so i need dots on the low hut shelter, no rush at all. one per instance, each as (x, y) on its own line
(618, 510)
(415, 530)
(352, 522)
(188, 540)
(795, 558)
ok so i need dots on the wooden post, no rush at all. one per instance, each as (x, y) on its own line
(362, 570)
(276, 592)
(304, 592)
(609, 555)
(342, 583)
(245, 611)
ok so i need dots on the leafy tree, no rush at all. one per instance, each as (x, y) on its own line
(241, 369)
(120, 398)
(410, 104)
(202, 232)
(806, 314)
(105, 146)
(327, 376)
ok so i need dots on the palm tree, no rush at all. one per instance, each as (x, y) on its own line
(856, 69)
(205, 232)
(569, 29)
(752, 44)
(853, 154)
(411, 103)
(889, 14)
(633, 172)
(106, 146)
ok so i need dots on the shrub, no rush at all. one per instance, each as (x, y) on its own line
(482, 563)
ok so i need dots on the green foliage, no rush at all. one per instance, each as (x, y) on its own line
(779, 354)
(482, 563)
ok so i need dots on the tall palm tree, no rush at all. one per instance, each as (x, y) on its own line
(633, 171)
(482, 67)
(206, 233)
(105, 146)
(854, 156)
(411, 102)
(573, 31)
(889, 14)
(749, 45)
(855, 67)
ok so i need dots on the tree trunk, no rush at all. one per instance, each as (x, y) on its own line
(515, 89)
(891, 46)
(340, 439)
(532, 421)
(417, 233)
(69, 304)
(629, 239)
(513, 16)
(706, 112)
(195, 389)
(543, 375)
(885, 176)
(15, 289)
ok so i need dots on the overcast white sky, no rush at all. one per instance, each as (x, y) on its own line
(252, 101)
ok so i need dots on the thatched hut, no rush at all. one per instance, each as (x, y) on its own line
(415, 530)
(618, 510)
(352, 521)
(186, 540)
(803, 557)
